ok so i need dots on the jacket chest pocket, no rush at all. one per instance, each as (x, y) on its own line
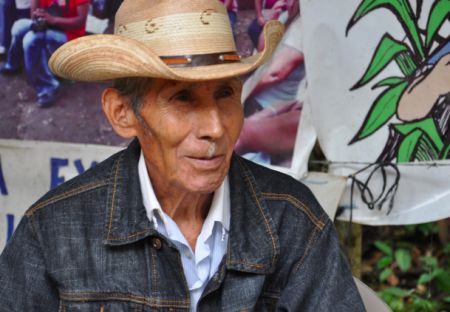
(100, 306)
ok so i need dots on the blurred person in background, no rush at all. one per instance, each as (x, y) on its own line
(52, 23)
(11, 10)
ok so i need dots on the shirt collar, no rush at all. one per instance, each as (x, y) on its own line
(220, 206)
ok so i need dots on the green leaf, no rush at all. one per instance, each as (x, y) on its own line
(384, 247)
(446, 249)
(402, 11)
(397, 292)
(408, 146)
(443, 280)
(385, 274)
(445, 152)
(427, 125)
(447, 299)
(428, 148)
(381, 111)
(387, 50)
(429, 262)
(384, 262)
(429, 228)
(438, 14)
(390, 81)
(423, 305)
(425, 278)
(406, 63)
(403, 259)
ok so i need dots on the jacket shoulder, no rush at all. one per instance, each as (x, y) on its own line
(284, 191)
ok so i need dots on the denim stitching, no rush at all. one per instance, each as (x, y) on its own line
(137, 308)
(249, 182)
(294, 201)
(312, 239)
(72, 296)
(271, 294)
(33, 226)
(128, 237)
(180, 271)
(152, 302)
(257, 265)
(116, 165)
(67, 296)
(154, 272)
(65, 195)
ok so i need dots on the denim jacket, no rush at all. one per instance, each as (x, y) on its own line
(89, 246)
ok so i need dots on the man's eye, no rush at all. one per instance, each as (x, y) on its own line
(183, 96)
(224, 92)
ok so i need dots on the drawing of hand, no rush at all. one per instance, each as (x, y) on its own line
(425, 91)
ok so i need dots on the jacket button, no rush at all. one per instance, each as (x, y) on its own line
(156, 243)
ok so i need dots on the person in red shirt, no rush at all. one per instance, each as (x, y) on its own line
(52, 23)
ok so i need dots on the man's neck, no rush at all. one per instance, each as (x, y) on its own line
(187, 210)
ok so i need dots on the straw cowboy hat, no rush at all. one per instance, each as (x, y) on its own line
(187, 40)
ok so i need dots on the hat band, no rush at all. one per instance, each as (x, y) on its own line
(201, 59)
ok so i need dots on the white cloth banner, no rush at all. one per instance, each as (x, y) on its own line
(379, 92)
(28, 169)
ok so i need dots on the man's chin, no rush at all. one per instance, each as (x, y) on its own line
(205, 185)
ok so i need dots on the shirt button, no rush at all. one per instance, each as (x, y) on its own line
(156, 243)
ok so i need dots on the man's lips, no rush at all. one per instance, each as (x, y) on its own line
(205, 162)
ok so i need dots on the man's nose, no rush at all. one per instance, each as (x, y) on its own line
(210, 122)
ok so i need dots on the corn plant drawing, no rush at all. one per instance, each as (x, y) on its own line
(420, 96)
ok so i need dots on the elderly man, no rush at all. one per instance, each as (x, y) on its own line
(175, 222)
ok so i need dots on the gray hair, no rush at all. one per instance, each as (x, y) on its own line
(133, 88)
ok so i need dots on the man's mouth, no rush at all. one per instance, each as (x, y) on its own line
(206, 161)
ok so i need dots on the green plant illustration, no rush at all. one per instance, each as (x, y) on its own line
(427, 137)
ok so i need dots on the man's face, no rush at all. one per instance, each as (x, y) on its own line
(188, 130)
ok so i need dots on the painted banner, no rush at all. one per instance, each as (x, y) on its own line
(29, 169)
(378, 84)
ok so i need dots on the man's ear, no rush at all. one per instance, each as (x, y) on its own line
(119, 113)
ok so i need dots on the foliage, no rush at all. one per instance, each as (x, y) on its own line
(422, 141)
(382, 110)
(410, 277)
(417, 143)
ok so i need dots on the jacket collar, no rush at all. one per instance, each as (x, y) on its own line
(126, 220)
(253, 243)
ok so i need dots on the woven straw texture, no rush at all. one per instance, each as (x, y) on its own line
(146, 30)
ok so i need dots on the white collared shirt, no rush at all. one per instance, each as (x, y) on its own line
(211, 246)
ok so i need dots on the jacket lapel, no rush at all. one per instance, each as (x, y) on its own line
(253, 242)
(126, 220)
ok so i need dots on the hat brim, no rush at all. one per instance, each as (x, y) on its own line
(107, 57)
